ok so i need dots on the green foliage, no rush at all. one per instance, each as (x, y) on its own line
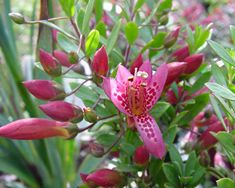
(131, 31)
(225, 183)
(68, 7)
(92, 42)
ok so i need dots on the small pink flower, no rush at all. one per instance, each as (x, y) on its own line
(103, 178)
(135, 95)
(45, 89)
(193, 63)
(100, 62)
(62, 111)
(136, 64)
(62, 57)
(34, 128)
(141, 156)
(49, 63)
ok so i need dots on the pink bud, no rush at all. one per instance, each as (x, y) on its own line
(193, 63)
(136, 64)
(175, 69)
(181, 54)
(54, 34)
(62, 57)
(206, 137)
(171, 38)
(141, 156)
(62, 111)
(49, 63)
(34, 128)
(204, 119)
(45, 89)
(103, 178)
(171, 96)
(100, 62)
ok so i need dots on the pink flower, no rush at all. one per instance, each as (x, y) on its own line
(103, 178)
(45, 89)
(135, 95)
(34, 128)
(62, 111)
(141, 156)
(100, 62)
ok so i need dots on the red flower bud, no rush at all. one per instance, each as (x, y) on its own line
(34, 128)
(100, 62)
(103, 178)
(141, 156)
(204, 119)
(136, 64)
(96, 149)
(181, 54)
(193, 63)
(171, 96)
(206, 138)
(62, 57)
(175, 69)
(45, 89)
(49, 63)
(171, 38)
(62, 111)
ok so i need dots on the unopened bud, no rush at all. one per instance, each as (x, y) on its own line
(62, 57)
(193, 63)
(50, 65)
(17, 17)
(62, 111)
(100, 62)
(164, 20)
(73, 57)
(204, 158)
(90, 115)
(171, 38)
(45, 89)
(136, 64)
(141, 156)
(181, 54)
(96, 149)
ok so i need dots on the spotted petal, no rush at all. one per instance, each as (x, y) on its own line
(117, 94)
(122, 74)
(151, 135)
(154, 90)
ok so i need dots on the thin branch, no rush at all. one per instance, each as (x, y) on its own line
(76, 89)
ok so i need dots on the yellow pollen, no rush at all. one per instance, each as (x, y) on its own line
(142, 74)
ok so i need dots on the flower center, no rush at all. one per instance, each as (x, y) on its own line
(136, 92)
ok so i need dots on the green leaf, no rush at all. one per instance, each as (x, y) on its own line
(165, 5)
(205, 77)
(221, 52)
(170, 134)
(190, 164)
(139, 4)
(217, 110)
(66, 44)
(171, 174)
(200, 102)
(175, 155)
(218, 74)
(221, 91)
(131, 32)
(198, 175)
(92, 42)
(87, 16)
(68, 7)
(226, 139)
(98, 10)
(113, 36)
(225, 183)
(232, 31)
(159, 109)
(101, 27)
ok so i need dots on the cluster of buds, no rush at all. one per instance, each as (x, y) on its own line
(141, 156)
(103, 178)
(185, 64)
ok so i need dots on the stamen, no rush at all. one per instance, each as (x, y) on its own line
(130, 78)
(142, 74)
(143, 84)
(136, 71)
